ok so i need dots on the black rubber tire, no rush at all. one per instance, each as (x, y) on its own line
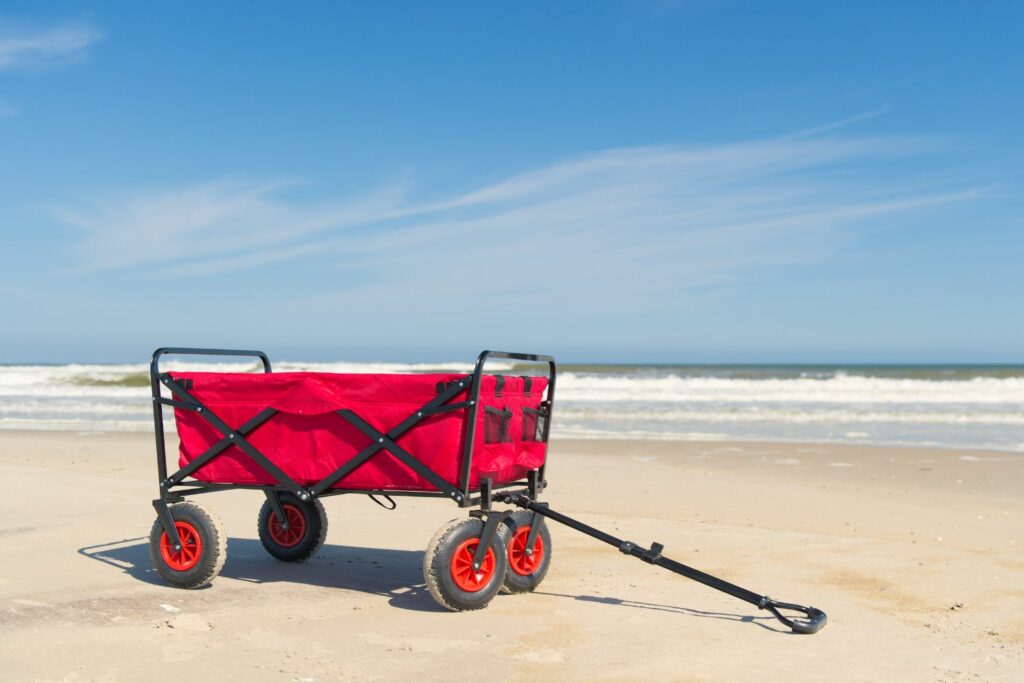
(214, 548)
(313, 538)
(523, 583)
(437, 566)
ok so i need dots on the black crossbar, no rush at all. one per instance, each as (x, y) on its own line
(220, 447)
(387, 443)
(438, 404)
(239, 440)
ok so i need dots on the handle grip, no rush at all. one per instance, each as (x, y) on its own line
(154, 364)
(815, 621)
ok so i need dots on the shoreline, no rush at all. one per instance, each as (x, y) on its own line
(668, 437)
(952, 407)
(916, 554)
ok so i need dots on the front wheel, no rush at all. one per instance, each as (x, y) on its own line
(448, 566)
(204, 547)
(526, 568)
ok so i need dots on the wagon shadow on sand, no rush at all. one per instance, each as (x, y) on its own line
(395, 574)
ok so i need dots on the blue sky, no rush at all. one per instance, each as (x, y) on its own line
(637, 181)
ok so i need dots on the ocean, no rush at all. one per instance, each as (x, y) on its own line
(976, 407)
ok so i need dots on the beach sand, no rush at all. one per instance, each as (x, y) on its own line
(917, 555)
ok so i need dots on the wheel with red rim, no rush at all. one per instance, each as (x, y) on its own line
(448, 566)
(525, 569)
(300, 535)
(185, 555)
(290, 534)
(202, 550)
(465, 576)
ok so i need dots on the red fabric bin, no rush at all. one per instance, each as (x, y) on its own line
(309, 441)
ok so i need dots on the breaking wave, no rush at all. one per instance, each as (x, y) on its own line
(955, 406)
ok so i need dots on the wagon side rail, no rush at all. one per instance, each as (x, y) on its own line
(158, 418)
(474, 400)
(159, 401)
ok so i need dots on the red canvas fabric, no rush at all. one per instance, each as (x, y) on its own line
(309, 441)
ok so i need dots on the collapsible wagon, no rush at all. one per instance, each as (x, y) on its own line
(477, 440)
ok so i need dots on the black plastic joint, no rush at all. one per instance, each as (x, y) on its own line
(654, 554)
(626, 548)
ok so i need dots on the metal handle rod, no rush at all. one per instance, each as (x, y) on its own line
(154, 365)
(635, 550)
(816, 618)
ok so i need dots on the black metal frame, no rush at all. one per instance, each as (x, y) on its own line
(174, 488)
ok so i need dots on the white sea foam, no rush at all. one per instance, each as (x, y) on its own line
(953, 409)
(840, 389)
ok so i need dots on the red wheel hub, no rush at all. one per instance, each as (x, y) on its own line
(191, 548)
(522, 563)
(291, 536)
(465, 577)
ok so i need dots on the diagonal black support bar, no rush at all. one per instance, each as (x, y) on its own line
(176, 404)
(445, 409)
(237, 439)
(218, 448)
(436, 405)
(387, 443)
(346, 469)
(433, 406)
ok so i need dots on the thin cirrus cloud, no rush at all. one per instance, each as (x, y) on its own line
(663, 219)
(41, 48)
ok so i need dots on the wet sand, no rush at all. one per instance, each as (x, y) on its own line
(916, 554)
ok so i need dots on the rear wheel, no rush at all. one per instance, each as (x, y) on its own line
(300, 536)
(204, 547)
(525, 569)
(448, 566)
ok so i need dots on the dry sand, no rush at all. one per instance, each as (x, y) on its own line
(917, 555)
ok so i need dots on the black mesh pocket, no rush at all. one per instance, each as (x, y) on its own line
(496, 421)
(535, 423)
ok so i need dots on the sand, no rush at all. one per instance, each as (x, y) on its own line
(917, 555)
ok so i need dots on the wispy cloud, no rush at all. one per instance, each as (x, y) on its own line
(843, 123)
(211, 220)
(38, 48)
(623, 229)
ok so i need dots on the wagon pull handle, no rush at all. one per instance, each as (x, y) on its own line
(815, 621)
(816, 618)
